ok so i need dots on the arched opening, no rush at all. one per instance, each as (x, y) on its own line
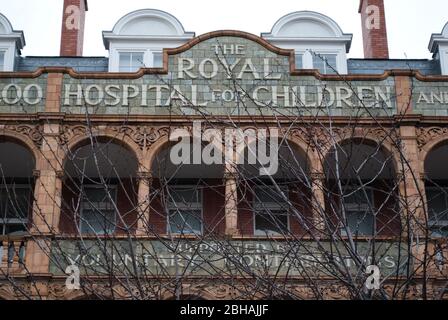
(277, 204)
(361, 190)
(99, 195)
(436, 187)
(187, 199)
(16, 187)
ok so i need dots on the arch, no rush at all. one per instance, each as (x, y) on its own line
(367, 140)
(299, 145)
(149, 22)
(155, 149)
(433, 144)
(5, 25)
(24, 141)
(121, 140)
(9, 33)
(308, 25)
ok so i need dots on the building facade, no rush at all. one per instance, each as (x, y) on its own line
(91, 190)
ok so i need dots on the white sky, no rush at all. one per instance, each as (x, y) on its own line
(410, 23)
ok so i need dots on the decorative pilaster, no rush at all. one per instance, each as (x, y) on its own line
(318, 200)
(144, 202)
(47, 203)
(231, 201)
(412, 186)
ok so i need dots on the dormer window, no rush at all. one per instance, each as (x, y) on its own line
(318, 41)
(439, 48)
(138, 39)
(11, 42)
(131, 61)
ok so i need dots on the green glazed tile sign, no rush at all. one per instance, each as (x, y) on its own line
(232, 258)
(228, 76)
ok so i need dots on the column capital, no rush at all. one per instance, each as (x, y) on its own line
(230, 175)
(144, 175)
(317, 176)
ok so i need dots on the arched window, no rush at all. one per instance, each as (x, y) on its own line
(16, 187)
(361, 190)
(436, 187)
(100, 189)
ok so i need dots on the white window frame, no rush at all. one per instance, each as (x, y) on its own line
(153, 53)
(145, 58)
(148, 55)
(88, 206)
(309, 54)
(196, 206)
(4, 221)
(9, 57)
(431, 223)
(366, 208)
(2, 60)
(259, 206)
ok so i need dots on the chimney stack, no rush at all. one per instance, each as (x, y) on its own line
(72, 35)
(374, 30)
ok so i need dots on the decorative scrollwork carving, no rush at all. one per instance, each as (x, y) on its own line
(33, 132)
(425, 135)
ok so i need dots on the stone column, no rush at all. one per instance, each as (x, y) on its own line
(231, 201)
(144, 202)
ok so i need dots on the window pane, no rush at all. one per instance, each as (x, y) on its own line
(137, 61)
(326, 63)
(358, 208)
(360, 223)
(185, 195)
(2, 60)
(98, 212)
(99, 194)
(185, 222)
(157, 59)
(270, 195)
(125, 61)
(15, 202)
(272, 222)
(130, 61)
(438, 211)
(299, 61)
(98, 222)
(15, 229)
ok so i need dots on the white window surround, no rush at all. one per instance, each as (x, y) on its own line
(11, 42)
(438, 46)
(145, 30)
(306, 32)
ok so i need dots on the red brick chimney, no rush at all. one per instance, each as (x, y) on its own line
(72, 35)
(374, 30)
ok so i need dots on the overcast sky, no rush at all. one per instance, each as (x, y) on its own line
(410, 22)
